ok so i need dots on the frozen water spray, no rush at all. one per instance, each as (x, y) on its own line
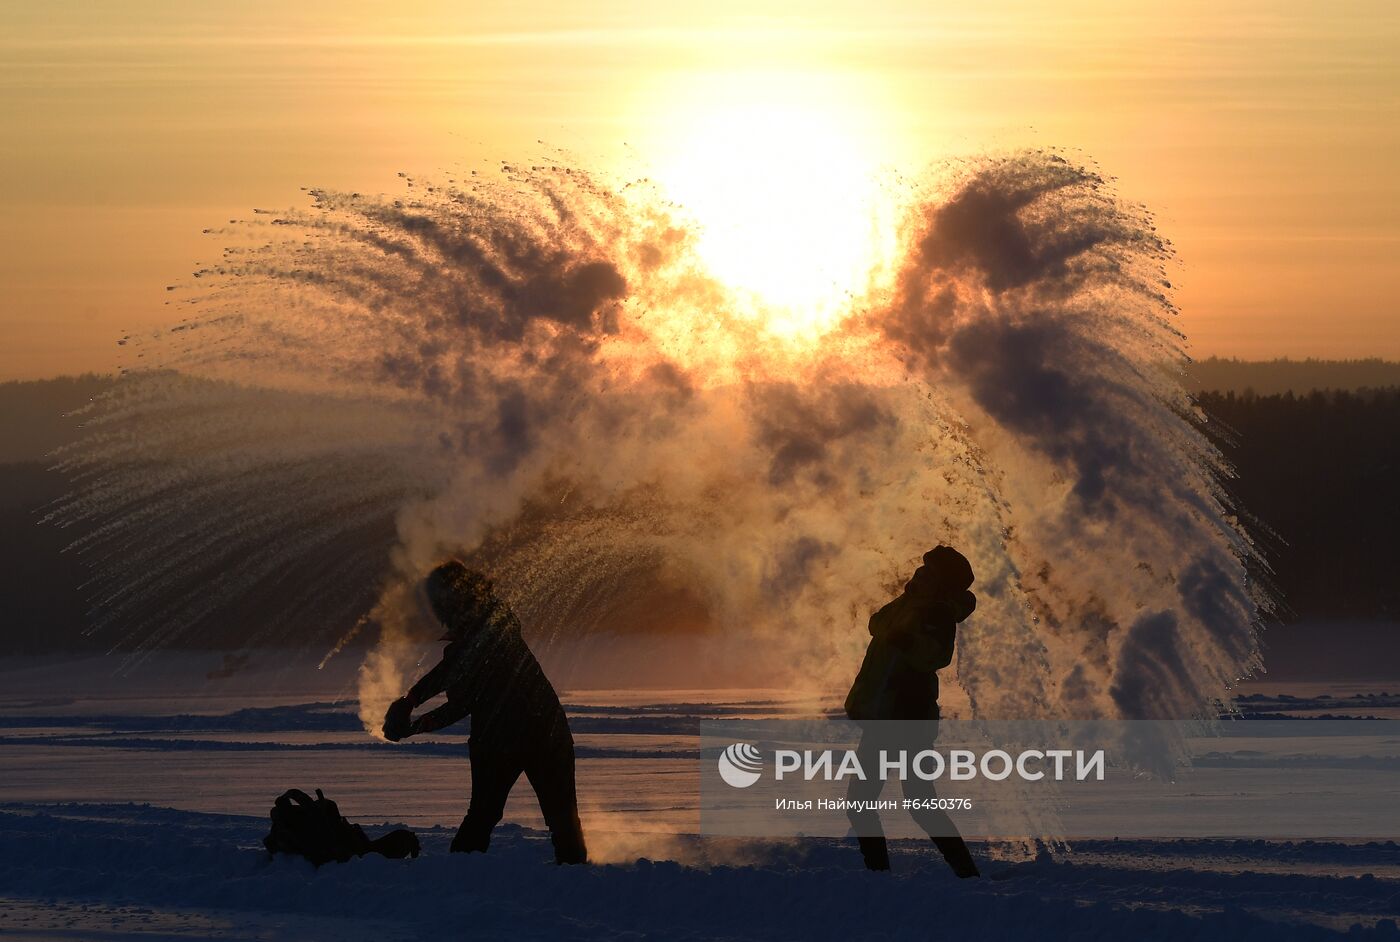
(537, 373)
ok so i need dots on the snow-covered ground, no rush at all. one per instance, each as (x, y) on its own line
(133, 806)
(95, 871)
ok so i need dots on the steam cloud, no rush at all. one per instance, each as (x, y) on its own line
(537, 373)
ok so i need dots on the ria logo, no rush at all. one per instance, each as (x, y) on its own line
(740, 765)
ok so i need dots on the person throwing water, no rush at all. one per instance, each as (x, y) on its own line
(518, 724)
(911, 639)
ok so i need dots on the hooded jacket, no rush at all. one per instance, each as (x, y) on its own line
(488, 672)
(911, 638)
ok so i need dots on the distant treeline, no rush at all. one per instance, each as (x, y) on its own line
(35, 416)
(1319, 485)
(1319, 482)
(42, 604)
(1267, 377)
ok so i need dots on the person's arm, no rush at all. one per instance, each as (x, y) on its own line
(926, 636)
(926, 645)
(450, 712)
(398, 720)
(431, 684)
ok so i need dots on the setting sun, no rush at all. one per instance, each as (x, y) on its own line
(782, 176)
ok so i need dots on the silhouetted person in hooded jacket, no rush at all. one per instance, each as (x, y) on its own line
(518, 725)
(911, 639)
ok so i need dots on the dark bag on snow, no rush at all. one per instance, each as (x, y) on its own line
(315, 829)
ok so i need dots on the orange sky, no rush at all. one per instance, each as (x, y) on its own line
(1264, 135)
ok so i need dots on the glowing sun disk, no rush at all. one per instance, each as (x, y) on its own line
(788, 202)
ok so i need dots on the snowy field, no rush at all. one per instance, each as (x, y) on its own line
(133, 808)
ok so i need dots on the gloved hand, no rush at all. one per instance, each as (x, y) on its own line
(398, 720)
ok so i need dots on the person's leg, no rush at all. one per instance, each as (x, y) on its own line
(939, 826)
(870, 835)
(551, 775)
(493, 775)
(955, 853)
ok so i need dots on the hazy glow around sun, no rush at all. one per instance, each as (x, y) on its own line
(782, 175)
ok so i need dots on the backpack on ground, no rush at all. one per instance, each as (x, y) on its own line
(315, 829)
